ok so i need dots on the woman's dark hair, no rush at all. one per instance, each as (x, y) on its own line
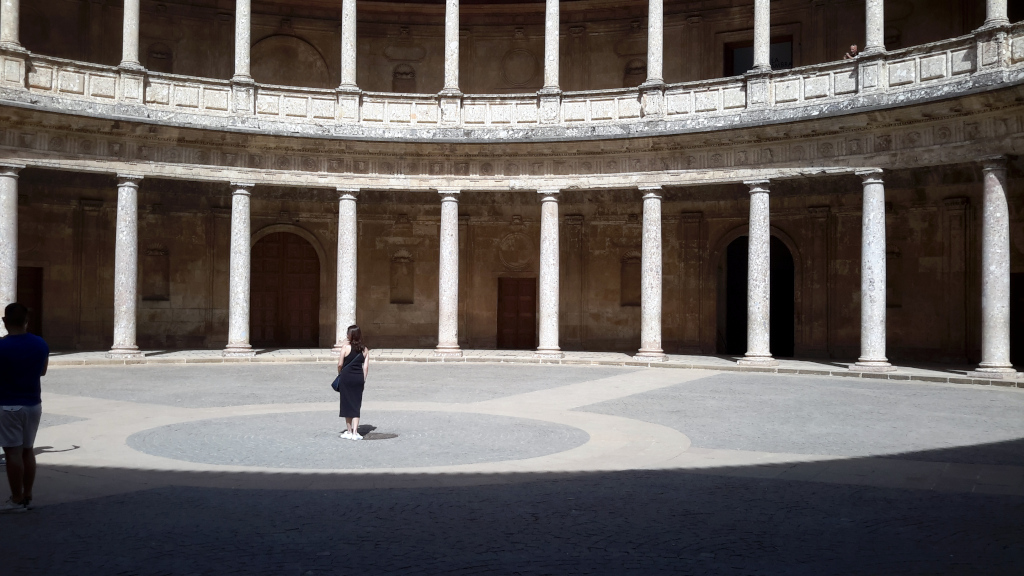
(355, 338)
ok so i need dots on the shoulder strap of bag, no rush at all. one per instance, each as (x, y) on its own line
(352, 358)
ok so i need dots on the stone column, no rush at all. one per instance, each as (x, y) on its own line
(451, 47)
(348, 245)
(655, 42)
(348, 45)
(126, 267)
(549, 293)
(243, 44)
(650, 278)
(759, 279)
(8, 237)
(448, 276)
(552, 28)
(240, 274)
(995, 275)
(995, 13)
(10, 23)
(130, 36)
(872, 277)
(874, 37)
(762, 36)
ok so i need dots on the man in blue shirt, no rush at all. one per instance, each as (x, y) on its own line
(23, 360)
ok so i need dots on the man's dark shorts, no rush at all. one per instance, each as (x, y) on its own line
(18, 425)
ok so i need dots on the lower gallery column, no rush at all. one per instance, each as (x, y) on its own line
(126, 267)
(650, 278)
(8, 237)
(995, 275)
(759, 279)
(240, 274)
(549, 275)
(348, 239)
(448, 276)
(872, 277)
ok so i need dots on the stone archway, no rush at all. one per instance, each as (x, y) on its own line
(732, 298)
(289, 61)
(285, 300)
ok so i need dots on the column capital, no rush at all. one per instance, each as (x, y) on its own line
(650, 192)
(242, 187)
(758, 186)
(347, 192)
(990, 163)
(549, 195)
(128, 180)
(11, 170)
(449, 194)
(870, 175)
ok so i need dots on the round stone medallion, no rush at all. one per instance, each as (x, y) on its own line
(515, 252)
(311, 440)
(519, 67)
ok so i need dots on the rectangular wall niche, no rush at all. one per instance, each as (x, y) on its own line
(629, 281)
(156, 275)
(403, 286)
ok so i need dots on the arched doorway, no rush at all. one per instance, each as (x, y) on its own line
(733, 300)
(285, 292)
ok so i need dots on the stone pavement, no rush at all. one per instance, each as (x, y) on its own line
(519, 469)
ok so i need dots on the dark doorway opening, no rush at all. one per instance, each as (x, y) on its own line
(517, 313)
(1017, 319)
(30, 293)
(285, 307)
(739, 56)
(734, 299)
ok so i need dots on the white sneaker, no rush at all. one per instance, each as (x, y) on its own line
(346, 435)
(12, 506)
(355, 436)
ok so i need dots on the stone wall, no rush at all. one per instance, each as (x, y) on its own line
(67, 227)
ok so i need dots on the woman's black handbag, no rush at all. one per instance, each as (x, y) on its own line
(337, 384)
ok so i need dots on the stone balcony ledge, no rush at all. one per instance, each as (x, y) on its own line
(985, 61)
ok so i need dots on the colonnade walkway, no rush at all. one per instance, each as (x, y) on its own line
(941, 373)
(474, 468)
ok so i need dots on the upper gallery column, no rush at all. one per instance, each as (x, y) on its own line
(240, 271)
(549, 275)
(759, 279)
(130, 36)
(243, 43)
(126, 267)
(762, 36)
(995, 275)
(874, 37)
(451, 47)
(348, 45)
(448, 276)
(552, 27)
(10, 22)
(995, 13)
(655, 42)
(650, 277)
(872, 276)
(8, 236)
(348, 243)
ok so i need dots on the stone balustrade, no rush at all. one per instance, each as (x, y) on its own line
(901, 77)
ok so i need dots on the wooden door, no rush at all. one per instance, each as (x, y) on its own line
(285, 292)
(30, 293)
(517, 313)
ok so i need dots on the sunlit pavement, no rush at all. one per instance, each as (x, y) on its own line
(507, 468)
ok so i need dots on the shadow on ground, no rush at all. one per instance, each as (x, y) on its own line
(746, 520)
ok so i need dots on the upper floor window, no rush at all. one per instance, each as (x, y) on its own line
(739, 56)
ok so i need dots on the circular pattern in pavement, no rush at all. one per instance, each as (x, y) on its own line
(311, 440)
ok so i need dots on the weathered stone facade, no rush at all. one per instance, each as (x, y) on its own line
(442, 185)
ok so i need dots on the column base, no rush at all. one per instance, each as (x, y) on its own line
(124, 353)
(872, 366)
(336, 349)
(758, 361)
(238, 351)
(448, 352)
(548, 353)
(995, 373)
(650, 356)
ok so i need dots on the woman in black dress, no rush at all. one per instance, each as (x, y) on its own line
(353, 365)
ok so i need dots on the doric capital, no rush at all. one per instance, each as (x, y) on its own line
(347, 193)
(128, 180)
(549, 194)
(870, 175)
(449, 194)
(993, 163)
(650, 192)
(242, 188)
(10, 170)
(758, 186)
